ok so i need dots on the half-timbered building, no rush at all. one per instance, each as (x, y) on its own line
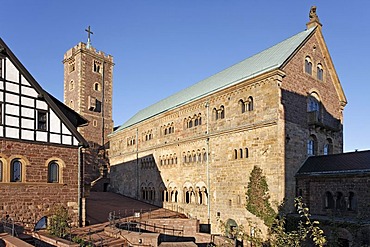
(39, 147)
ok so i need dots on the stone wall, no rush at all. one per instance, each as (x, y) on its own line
(27, 201)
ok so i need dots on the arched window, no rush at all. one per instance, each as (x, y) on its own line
(235, 154)
(196, 122)
(313, 104)
(246, 153)
(190, 123)
(352, 203)
(222, 113)
(241, 153)
(242, 105)
(16, 171)
(329, 200)
(340, 201)
(204, 156)
(328, 147)
(308, 65)
(311, 145)
(215, 113)
(187, 197)
(250, 104)
(96, 86)
(53, 172)
(1, 171)
(320, 72)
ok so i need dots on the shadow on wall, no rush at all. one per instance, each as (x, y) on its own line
(310, 130)
(139, 179)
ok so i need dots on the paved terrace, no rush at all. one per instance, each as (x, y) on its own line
(100, 204)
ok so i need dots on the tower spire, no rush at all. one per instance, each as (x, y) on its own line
(88, 36)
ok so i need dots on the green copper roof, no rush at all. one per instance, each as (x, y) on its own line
(260, 63)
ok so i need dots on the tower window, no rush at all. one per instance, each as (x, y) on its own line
(41, 120)
(97, 86)
(97, 66)
(71, 85)
(72, 67)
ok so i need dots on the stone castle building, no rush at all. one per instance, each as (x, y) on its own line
(88, 81)
(194, 151)
(40, 148)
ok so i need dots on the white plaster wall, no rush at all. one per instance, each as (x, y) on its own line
(12, 87)
(12, 121)
(41, 105)
(27, 123)
(67, 140)
(27, 102)
(12, 98)
(12, 73)
(54, 122)
(24, 81)
(27, 135)
(54, 138)
(12, 109)
(27, 112)
(29, 91)
(65, 130)
(11, 132)
(41, 136)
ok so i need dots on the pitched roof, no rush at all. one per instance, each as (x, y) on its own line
(267, 60)
(353, 162)
(70, 118)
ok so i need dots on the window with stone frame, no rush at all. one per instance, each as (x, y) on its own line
(53, 172)
(219, 113)
(71, 85)
(320, 72)
(328, 147)
(308, 65)
(97, 86)
(352, 202)
(329, 200)
(71, 67)
(16, 171)
(311, 145)
(41, 120)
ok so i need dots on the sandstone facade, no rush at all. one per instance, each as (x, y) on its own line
(197, 157)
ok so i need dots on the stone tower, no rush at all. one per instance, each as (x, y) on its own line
(88, 79)
(85, 70)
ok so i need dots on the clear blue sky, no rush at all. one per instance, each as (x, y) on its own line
(160, 47)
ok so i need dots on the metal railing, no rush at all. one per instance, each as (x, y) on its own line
(10, 227)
